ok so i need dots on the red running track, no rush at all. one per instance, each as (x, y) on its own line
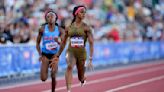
(147, 77)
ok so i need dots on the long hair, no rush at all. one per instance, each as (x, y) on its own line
(74, 10)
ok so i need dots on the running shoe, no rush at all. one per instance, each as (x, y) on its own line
(83, 83)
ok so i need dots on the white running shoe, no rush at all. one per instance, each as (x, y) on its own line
(83, 83)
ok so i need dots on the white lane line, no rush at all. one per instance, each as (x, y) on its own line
(88, 73)
(136, 84)
(114, 77)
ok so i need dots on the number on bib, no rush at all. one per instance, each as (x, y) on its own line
(51, 45)
(77, 42)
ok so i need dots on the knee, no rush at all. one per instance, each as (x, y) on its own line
(69, 68)
(43, 78)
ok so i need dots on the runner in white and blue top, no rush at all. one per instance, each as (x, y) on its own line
(49, 33)
(49, 45)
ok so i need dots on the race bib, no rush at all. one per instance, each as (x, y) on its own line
(51, 45)
(77, 42)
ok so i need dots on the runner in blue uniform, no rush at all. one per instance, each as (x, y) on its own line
(50, 34)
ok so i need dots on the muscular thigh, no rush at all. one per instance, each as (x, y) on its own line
(44, 64)
(70, 58)
(81, 58)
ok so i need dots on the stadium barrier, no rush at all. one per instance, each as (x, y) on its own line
(23, 59)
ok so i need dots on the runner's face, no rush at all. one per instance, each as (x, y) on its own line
(51, 17)
(81, 13)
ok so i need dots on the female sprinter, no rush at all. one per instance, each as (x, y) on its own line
(78, 32)
(49, 34)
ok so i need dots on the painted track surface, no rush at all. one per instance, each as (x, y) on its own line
(145, 77)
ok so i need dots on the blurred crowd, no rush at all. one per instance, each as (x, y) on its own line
(110, 20)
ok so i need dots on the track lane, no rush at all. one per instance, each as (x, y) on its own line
(40, 87)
